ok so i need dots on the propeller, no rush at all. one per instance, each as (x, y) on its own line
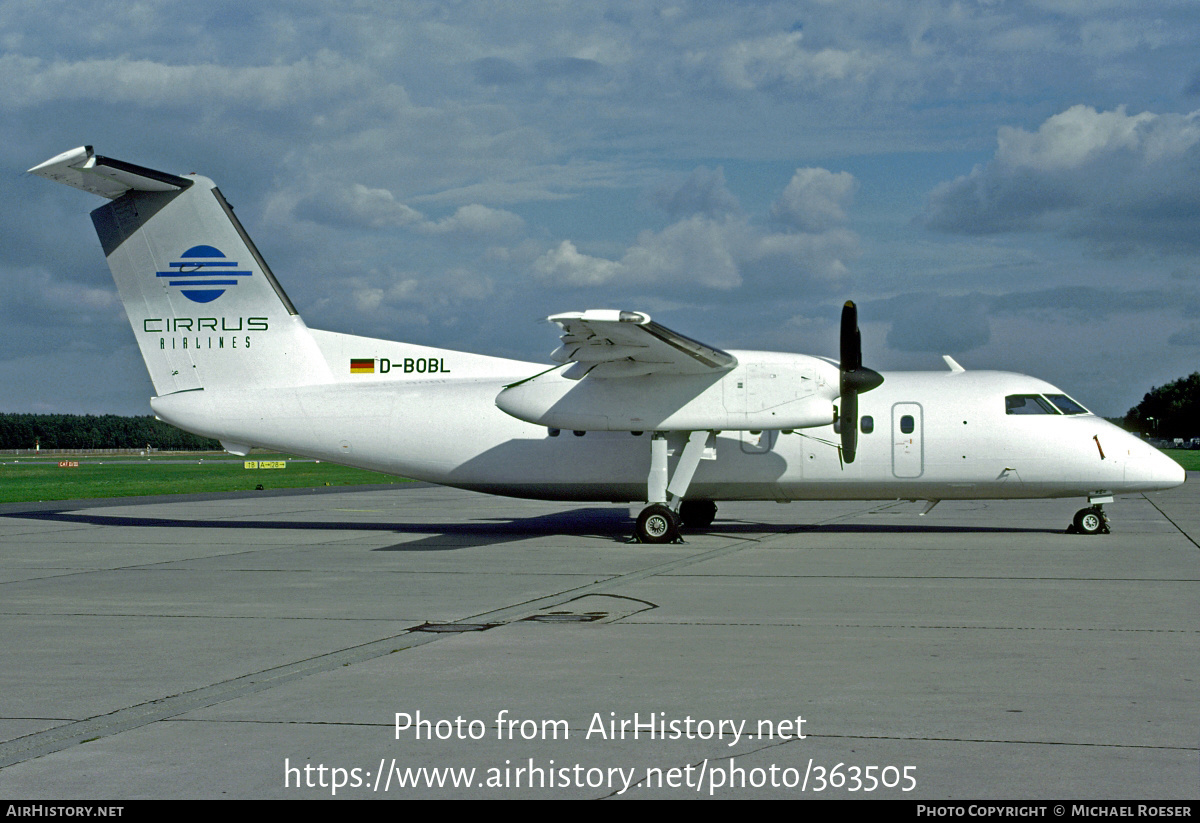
(854, 380)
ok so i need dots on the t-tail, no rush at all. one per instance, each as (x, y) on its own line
(205, 308)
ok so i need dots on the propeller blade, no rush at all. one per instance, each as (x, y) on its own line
(854, 379)
(851, 350)
(848, 412)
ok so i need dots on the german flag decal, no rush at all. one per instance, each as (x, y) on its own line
(362, 365)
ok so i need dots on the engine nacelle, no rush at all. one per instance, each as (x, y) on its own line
(765, 391)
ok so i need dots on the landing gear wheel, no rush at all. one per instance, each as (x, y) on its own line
(657, 524)
(697, 514)
(1090, 521)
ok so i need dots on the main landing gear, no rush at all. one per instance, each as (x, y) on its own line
(658, 524)
(660, 521)
(1091, 520)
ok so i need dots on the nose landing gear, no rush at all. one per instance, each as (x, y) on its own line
(1091, 520)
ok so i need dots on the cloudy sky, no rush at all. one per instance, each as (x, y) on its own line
(1014, 184)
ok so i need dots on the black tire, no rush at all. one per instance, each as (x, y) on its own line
(657, 524)
(1089, 521)
(697, 514)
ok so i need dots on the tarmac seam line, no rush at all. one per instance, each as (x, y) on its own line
(1171, 521)
(49, 741)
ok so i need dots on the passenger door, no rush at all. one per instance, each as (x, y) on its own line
(908, 452)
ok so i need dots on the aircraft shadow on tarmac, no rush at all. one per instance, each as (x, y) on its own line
(610, 524)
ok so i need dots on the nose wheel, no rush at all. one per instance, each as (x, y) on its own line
(1091, 520)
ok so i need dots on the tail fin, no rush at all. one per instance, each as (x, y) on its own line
(206, 310)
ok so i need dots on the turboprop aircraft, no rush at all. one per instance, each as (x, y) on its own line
(631, 412)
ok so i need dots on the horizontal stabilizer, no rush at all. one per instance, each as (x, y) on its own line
(84, 169)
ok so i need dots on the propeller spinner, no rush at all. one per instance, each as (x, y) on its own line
(854, 380)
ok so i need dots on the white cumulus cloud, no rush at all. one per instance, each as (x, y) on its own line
(807, 240)
(815, 199)
(1108, 176)
(475, 219)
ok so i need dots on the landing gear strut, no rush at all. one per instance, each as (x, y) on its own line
(1091, 520)
(659, 522)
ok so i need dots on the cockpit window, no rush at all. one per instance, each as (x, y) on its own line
(1066, 405)
(1028, 404)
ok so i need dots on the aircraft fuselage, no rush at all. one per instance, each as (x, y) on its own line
(924, 435)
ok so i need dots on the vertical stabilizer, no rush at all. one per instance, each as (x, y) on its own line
(205, 308)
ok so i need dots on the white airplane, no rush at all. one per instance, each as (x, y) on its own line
(632, 412)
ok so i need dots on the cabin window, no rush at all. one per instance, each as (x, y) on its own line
(1028, 404)
(1066, 405)
(907, 424)
(867, 424)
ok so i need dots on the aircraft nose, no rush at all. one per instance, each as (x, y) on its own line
(1151, 469)
(1170, 471)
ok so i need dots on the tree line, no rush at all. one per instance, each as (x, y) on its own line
(1168, 411)
(72, 432)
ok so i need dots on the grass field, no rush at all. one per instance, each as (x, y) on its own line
(24, 479)
(1188, 458)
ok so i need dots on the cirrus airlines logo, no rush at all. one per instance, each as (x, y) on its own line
(203, 273)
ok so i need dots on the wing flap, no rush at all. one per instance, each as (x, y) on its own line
(607, 343)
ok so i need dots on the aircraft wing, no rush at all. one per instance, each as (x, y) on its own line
(612, 344)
